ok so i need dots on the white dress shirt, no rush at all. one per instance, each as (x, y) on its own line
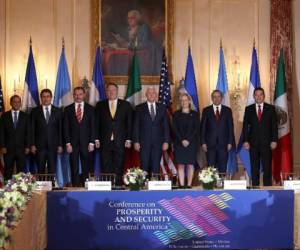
(82, 107)
(261, 107)
(149, 107)
(13, 114)
(115, 102)
(215, 108)
(49, 109)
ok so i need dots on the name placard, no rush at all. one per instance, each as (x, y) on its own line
(44, 185)
(159, 185)
(99, 185)
(291, 184)
(235, 184)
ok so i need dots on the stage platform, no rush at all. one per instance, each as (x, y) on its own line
(181, 219)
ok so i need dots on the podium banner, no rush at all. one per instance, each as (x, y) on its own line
(227, 219)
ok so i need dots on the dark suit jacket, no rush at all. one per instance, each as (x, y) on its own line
(79, 134)
(260, 133)
(151, 133)
(14, 139)
(215, 132)
(43, 135)
(120, 125)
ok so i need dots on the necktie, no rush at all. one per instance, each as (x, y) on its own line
(217, 114)
(79, 113)
(152, 112)
(112, 109)
(15, 120)
(259, 113)
(47, 114)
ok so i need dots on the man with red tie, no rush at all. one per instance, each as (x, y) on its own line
(79, 134)
(217, 133)
(260, 136)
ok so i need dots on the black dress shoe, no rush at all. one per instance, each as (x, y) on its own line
(188, 187)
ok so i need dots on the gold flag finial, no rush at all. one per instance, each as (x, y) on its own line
(254, 42)
(221, 43)
(63, 42)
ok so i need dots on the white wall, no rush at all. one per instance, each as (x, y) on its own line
(46, 21)
(237, 23)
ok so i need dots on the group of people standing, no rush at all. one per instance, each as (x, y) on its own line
(113, 125)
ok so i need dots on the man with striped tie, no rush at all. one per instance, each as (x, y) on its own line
(260, 136)
(79, 135)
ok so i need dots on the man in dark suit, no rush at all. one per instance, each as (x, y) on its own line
(260, 135)
(79, 134)
(113, 131)
(14, 137)
(46, 133)
(151, 132)
(217, 134)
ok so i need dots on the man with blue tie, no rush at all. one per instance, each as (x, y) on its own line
(151, 133)
(217, 133)
(14, 137)
(46, 133)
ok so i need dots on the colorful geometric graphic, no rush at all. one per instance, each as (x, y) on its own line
(195, 217)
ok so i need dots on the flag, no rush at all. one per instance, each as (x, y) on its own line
(190, 81)
(254, 83)
(2, 109)
(222, 85)
(167, 167)
(62, 92)
(97, 91)
(134, 87)
(282, 155)
(62, 98)
(134, 96)
(30, 93)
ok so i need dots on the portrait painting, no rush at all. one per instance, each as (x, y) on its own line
(128, 27)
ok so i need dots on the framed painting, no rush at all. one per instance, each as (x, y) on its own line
(125, 27)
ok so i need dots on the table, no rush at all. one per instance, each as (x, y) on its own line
(173, 219)
(31, 231)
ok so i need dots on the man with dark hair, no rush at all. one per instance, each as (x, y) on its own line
(217, 133)
(14, 137)
(151, 132)
(260, 136)
(79, 134)
(113, 131)
(46, 133)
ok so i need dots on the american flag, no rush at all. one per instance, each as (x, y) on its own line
(1, 156)
(167, 167)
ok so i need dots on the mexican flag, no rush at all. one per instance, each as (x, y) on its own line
(282, 155)
(134, 87)
(134, 96)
